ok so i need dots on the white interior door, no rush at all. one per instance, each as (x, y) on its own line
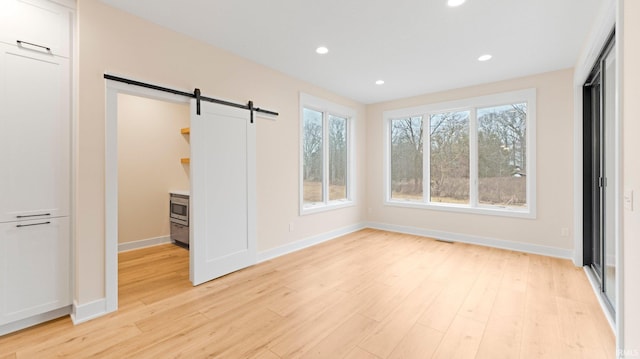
(222, 223)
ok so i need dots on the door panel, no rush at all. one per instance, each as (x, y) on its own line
(34, 257)
(596, 244)
(609, 173)
(222, 191)
(34, 134)
(42, 23)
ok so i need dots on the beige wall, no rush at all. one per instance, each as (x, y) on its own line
(118, 43)
(630, 16)
(554, 167)
(115, 42)
(150, 146)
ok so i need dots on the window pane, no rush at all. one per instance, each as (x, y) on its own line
(502, 155)
(312, 156)
(449, 157)
(337, 158)
(406, 158)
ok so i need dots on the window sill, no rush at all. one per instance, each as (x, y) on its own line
(527, 213)
(321, 207)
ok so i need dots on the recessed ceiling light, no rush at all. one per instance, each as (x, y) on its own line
(322, 50)
(454, 3)
(485, 57)
(380, 82)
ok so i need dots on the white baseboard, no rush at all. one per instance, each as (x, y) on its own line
(85, 312)
(149, 242)
(36, 319)
(482, 241)
(307, 242)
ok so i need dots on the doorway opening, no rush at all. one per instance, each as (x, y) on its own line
(600, 176)
(133, 101)
(150, 147)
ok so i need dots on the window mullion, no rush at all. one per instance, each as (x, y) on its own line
(473, 158)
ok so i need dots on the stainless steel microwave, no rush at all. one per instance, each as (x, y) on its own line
(179, 209)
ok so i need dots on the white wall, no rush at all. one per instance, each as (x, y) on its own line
(115, 42)
(554, 169)
(629, 18)
(150, 146)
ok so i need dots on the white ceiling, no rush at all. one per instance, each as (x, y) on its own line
(415, 46)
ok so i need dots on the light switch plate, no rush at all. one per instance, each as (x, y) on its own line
(628, 200)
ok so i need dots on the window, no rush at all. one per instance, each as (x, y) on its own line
(449, 157)
(502, 155)
(474, 155)
(326, 173)
(406, 158)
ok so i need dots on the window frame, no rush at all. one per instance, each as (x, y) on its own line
(468, 104)
(327, 108)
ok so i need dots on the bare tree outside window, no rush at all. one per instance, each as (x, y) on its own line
(312, 156)
(502, 155)
(407, 158)
(449, 157)
(337, 158)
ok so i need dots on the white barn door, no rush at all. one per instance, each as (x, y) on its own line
(222, 223)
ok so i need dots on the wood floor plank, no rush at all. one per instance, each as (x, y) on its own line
(516, 271)
(540, 278)
(541, 336)
(420, 342)
(81, 346)
(369, 294)
(172, 313)
(386, 300)
(393, 329)
(450, 297)
(359, 353)
(480, 299)
(343, 339)
(237, 338)
(461, 340)
(263, 354)
(51, 330)
(136, 345)
(605, 333)
(570, 282)
(578, 330)
(296, 343)
(503, 334)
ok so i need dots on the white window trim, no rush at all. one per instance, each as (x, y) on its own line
(527, 95)
(328, 108)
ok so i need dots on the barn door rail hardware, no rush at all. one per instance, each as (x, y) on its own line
(196, 94)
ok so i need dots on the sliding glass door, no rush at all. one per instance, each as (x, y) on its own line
(600, 178)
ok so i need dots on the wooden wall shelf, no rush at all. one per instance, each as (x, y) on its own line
(185, 131)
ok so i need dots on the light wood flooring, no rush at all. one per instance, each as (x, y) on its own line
(370, 294)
